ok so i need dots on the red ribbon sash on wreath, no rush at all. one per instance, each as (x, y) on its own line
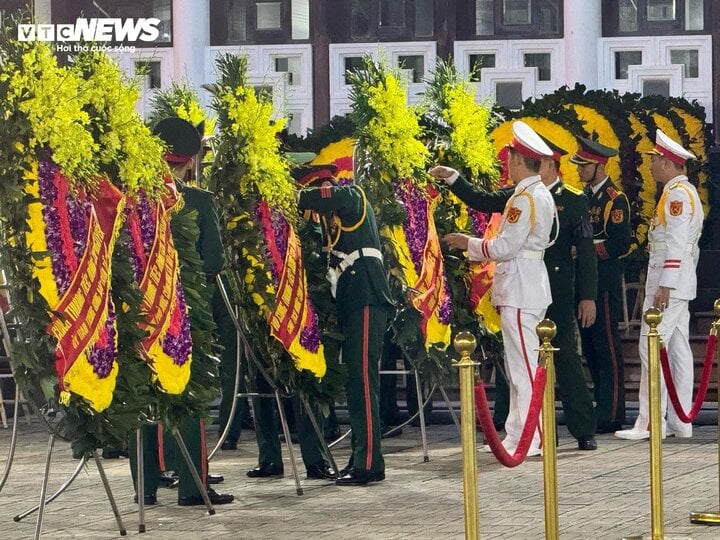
(162, 303)
(77, 321)
(290, 311)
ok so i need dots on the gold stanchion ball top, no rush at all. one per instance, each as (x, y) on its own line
(716, 307)
(653, 316)
(546, 330)
(464, 343)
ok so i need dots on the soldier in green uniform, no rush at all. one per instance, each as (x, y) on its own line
(610, 219)
(574, 235)
(183, 141)
(355, 266)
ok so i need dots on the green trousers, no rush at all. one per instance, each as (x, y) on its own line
(363, 329)
(161, 453)
(267, 426)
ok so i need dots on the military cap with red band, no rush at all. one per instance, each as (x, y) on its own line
(666, 147)
(307, 175)
(181, 137)
(528, 143)
(592, 152)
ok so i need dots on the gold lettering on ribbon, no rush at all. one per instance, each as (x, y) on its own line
(160, 280)
(287, 319)
(82, 310)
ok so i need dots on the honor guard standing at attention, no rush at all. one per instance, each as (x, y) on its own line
(183, 142)
(610, 218)
(360, 286)
(671, 283)
(521, 288)
(574, 233)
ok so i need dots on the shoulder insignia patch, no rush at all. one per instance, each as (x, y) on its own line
(513, 214)
(676, 208)
(617, 216)
(612, 192)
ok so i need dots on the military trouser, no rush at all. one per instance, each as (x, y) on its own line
(603, 351)
(161, 453)
(267, 425)
(363, 329)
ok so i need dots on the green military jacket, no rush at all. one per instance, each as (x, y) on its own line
(209, 244)
(348, 225)
(575, 231)
(610, 219)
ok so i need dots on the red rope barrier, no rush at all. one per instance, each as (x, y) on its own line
(702, 389)
(531, 422)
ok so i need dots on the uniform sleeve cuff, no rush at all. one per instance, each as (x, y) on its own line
(450, 180)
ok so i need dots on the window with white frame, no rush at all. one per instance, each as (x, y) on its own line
(655, 17)
(656, 87)
(291, 66)
(413, 66)
(508, 94)
(689, 58)
(624, 59)
(352, 64)
(540, 61)
(479, 61)
(515, 19)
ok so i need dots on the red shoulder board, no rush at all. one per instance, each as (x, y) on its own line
(612, 192)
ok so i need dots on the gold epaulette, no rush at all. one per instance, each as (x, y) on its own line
(573, 189)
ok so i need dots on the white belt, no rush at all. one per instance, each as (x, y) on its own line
(349, 259)
(529, 254)
(596, 241)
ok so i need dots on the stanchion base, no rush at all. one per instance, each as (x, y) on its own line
(705, 518)
(664, 537)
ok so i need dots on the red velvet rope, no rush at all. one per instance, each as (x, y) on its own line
(704, 380)
(531, 422)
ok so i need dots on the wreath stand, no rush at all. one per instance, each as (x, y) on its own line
(47, 414)
(254, 363)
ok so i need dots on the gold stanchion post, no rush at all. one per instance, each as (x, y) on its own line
(653, 317)
(464, 344)
(712, 518)
(546, 330)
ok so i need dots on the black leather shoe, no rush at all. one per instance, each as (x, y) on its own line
(214, 496)
(587, 443)
(229, 444)
(149, 500)
(215, 478)
(168, 479)
(608, 427)
(265, 470)
(321, 471)
(357, 478)
(346, 469)
(114, 453)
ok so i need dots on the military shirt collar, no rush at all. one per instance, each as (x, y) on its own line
(595, 189)
(671, 183)
(555, 185)
(526, 183)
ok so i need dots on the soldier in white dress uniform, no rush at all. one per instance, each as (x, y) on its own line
(671, 283)
(521, 288)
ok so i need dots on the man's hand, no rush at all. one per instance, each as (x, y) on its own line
(586, 313)
(457, 241)
(661, 298)
(441, 172)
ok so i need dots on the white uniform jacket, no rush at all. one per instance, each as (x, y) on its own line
(673, 238)
(521, 278)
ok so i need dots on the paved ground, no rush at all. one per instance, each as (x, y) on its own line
(602, 494)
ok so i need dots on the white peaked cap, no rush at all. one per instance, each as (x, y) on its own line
(529, 143)
(666, 147)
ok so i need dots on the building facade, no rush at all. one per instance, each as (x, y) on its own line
(511, 49)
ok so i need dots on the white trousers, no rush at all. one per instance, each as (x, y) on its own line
(675, 333)
(521, 345)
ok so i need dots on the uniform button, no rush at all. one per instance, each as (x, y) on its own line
(557, 268)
